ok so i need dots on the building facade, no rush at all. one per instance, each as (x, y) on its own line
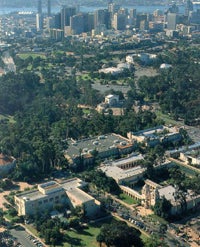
(47, 195)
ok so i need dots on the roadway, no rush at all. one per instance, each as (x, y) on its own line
(171, 239)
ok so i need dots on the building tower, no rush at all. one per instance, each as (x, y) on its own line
(171, 21)
(48, 8)
(188, 7)
(39, 17)
(119, 21)
(66, 13)
(39, 10)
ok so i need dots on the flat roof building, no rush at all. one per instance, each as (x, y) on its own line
(125, 170)
(157, 135)
(104, 146)
(47, 195)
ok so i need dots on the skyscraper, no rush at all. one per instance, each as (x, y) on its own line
(39, 10)
(66, 13)
(48, 7)
(39, 17)
(171, 21)
(119, 21)
(188, 7)
(101, 16)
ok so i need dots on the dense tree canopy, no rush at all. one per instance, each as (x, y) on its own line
(177, 89)
(119, 234)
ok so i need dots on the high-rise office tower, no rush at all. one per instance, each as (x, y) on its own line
(188, 7)
(39, 16)
(171, 21)
(119, 21)
(66, 13)
(101, 16)
(142, 21)
(39, 22)
(77, 24)
(48, 7)
(57, 21)
(113, 8)
(133, 13)
(39, 10)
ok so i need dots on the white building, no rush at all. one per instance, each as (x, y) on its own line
(157, 135)
(47, 195)
(112, 100)
(125, 170)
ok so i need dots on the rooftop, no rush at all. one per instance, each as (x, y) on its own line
(156, 131)
(119, 174)
(130, 159)
(100, 143)
(79, 194)
(168, 192)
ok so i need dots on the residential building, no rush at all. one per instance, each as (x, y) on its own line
(48, 194)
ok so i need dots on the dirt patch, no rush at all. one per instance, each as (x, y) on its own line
(21, 187)
(144, 211)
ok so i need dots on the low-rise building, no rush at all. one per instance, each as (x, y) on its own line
(127, 170)
(47, 195)
(103, 146)
(157, 135)
(191, 157)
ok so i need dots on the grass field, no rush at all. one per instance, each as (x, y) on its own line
(167, 119)
(85, 237)
(33, 55)
(127, 199)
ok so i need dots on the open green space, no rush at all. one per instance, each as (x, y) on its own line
(86, 236)
(167, 118)
(32, 230)
(33, 55)
(127, 199)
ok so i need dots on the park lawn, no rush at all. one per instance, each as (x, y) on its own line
(85, 237)
(127, 199)
(167, 119)
(32, 229)
(33, 55)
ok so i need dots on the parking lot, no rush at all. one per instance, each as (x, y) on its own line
(24, 238)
